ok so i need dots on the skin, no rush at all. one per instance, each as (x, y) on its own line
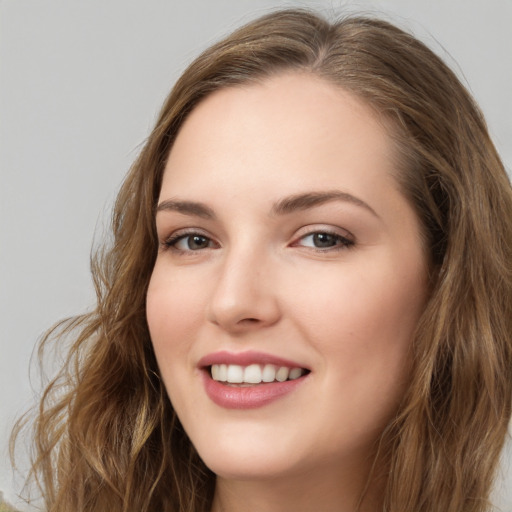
(347, 311)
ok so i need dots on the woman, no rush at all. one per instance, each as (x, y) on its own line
(307, 301)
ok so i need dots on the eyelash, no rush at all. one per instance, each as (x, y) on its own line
(173, 240)
(342, 242)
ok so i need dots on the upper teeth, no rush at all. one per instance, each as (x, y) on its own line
(254, 373)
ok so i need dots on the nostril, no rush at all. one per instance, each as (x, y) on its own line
(249, 321)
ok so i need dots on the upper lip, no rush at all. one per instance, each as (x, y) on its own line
(247, 358)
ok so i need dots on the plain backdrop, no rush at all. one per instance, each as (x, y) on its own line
(80, 85)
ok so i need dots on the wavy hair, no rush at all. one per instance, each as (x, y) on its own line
(106, 437)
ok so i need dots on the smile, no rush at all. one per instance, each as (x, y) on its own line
(254, 373)
(249, 379)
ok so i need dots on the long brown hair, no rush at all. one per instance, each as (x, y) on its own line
(106, 436)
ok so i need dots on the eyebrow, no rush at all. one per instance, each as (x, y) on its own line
(186, 208)
(285, 206)
(308, 200)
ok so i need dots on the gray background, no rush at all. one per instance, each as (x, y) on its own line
(80, 85)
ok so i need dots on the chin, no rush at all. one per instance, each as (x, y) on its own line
(237, 467)
(244, 459)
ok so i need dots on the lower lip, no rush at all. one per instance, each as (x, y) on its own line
(247, 397)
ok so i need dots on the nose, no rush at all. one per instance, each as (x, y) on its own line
(244, 298)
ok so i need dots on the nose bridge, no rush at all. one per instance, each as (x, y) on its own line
(244, 295)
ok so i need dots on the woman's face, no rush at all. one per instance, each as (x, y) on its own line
(289, 255)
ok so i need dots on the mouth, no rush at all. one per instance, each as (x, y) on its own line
(254, 374)
(250, 379)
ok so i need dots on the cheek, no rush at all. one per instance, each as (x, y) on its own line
(172, 310)
(362, 303)
(171, 317)
(363, 321)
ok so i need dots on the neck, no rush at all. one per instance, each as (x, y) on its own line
(305, 492)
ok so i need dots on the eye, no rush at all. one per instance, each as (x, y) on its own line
(189, 242)
(324, 240)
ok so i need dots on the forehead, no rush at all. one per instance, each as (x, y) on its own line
(292, 127)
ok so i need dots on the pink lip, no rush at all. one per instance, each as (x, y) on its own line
(246, 358)
(249, 397)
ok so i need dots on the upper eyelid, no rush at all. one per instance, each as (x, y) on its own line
(342, 241)
(171, 242)
(334, 230)
(176, 233)
(179, 237)
(172, 237)
(298, 234)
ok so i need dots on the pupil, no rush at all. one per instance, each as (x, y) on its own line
(197, 242)
(324, 240)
